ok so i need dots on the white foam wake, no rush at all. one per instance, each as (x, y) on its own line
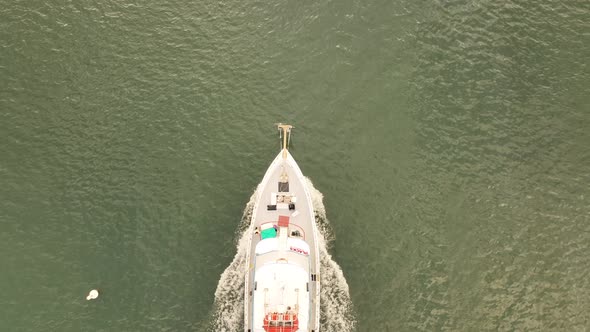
(336, 306)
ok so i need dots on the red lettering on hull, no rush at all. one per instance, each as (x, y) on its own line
(301, 251)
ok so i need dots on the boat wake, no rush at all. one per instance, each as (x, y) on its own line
(336, 306)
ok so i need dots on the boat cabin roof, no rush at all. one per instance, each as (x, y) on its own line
(272, 244)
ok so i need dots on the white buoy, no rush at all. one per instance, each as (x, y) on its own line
(92, 295)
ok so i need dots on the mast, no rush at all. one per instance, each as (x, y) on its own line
(285, 131)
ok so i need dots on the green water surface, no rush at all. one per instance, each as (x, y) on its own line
(449, 139)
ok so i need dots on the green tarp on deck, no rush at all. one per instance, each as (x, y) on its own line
(268, 233)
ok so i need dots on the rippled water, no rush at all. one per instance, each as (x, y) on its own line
(449, 140)
(503, 136)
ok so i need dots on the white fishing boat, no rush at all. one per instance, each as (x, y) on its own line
(282, 290)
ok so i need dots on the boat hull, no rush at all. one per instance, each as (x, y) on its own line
(292, 258)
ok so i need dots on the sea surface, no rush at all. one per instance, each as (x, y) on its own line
(447, 143)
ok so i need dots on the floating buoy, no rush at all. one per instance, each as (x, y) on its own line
(92, 295)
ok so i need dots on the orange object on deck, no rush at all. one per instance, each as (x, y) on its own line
(283, 221)
(280, 322)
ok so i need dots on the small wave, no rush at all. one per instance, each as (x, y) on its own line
(336, 306)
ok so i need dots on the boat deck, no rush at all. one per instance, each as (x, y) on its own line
(283, 193)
